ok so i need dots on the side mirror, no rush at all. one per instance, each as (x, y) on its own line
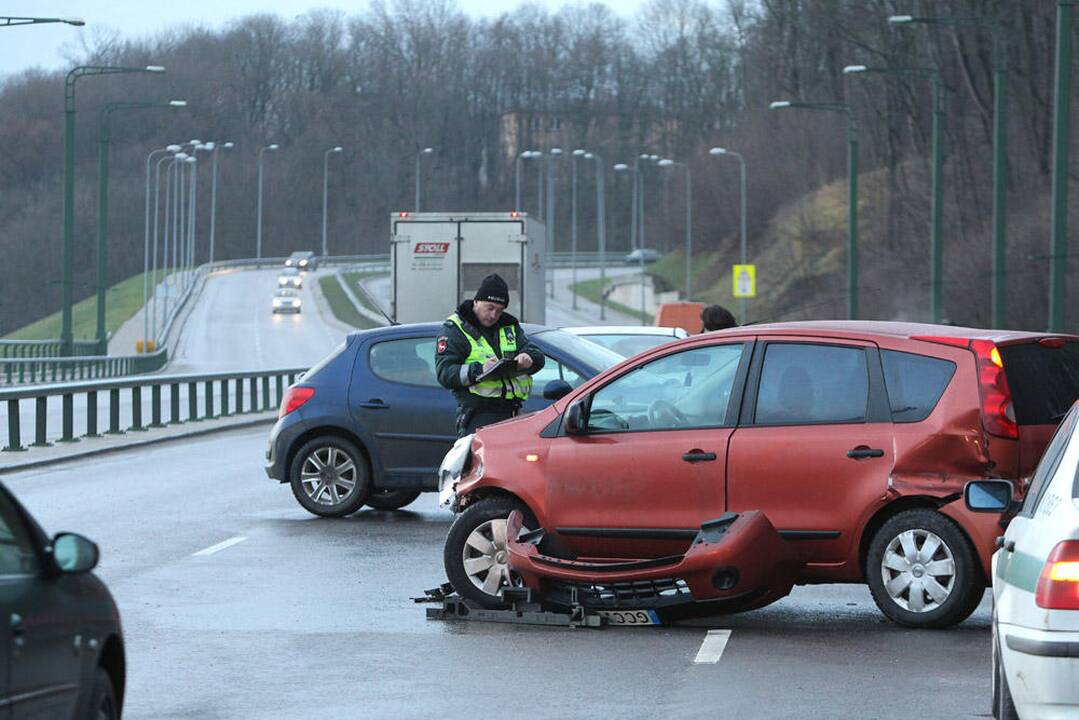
(988, 496)
(575, 420)
(556, 390)
(73, 553)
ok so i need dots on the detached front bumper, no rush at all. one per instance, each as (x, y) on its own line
(737, 557)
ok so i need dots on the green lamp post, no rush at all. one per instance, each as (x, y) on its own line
(852, 195)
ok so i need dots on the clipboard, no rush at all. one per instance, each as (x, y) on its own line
(504, 368)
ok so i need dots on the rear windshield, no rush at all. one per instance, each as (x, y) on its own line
(1044, 381)
(629, 345)
(915, 383)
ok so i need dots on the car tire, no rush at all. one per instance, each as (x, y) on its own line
(1003, 704)
(103, 704)
(922, 571)
(391, 499)
(474, 536)
(324, 467)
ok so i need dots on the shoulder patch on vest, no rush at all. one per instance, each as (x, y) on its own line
(442, 344)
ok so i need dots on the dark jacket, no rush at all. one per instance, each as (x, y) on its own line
(453, 348)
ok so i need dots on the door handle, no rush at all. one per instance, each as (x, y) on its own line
(863, 451)
(374, 404)
(699, 456)
(17, 631)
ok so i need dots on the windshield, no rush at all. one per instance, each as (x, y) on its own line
(594, 356)
(628, 345)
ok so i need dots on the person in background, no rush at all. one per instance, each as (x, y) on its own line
(717, 317)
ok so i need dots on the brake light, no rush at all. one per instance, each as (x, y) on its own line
(403, 214)
(998, 412)
(1058, 586)
(294, 398)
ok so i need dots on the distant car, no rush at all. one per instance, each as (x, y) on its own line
(1036, 584)
(369, 424)
(646, 255)
(302, 259)
(60, 638)
(286, 301)
(628, 340)
(290, 277)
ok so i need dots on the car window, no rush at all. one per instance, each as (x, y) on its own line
(406, 360)
(629, 345)
(554, 370)
(1044, 380)
(589, 354)
(1047, 467)
(688, 389)
(802, 383)
(17, 556)
(915, 383)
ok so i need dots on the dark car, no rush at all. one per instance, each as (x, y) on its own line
(369, 424)
(302, 259)
(725, 467)
(62, 648)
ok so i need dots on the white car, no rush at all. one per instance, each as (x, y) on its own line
(290, 277)
(287, 301)
(628, 340)
(1036, 585)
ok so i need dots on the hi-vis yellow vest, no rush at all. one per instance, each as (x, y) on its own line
(516, 387)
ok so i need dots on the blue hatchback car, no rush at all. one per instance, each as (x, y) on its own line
(370, 424)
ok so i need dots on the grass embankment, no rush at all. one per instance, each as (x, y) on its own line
(122, 302)
(593, 290)
(355, 283)
(341, 307)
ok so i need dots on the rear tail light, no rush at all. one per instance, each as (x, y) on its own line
(294, 398)
(998, 412)
(1058, 586)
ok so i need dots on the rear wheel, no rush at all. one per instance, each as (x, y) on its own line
(391, 499)
(329, 477)
(922, 571)
(475, 555)
(103, 705)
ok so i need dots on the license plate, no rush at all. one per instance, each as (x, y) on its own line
(630, 617)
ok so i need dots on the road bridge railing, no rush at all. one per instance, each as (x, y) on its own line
(151, 402)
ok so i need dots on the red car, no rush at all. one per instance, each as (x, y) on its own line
(723, 468)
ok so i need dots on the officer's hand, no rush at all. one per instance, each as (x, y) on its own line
(490, 363)
(524, 361)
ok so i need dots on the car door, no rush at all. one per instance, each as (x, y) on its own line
(650, 466)
(397, 401)
(813, 450)
(41, 619)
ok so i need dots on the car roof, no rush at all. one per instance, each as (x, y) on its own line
(431, 328)
(862, 328)
(621, 330)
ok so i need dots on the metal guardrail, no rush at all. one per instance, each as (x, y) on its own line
(62, 369)
(42, 348)
(226, 388)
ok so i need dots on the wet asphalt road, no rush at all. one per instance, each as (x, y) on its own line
(311, 618)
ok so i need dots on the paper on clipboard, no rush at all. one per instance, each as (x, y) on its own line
(502, 369)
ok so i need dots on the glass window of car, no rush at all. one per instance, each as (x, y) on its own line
(406, 360)
(915, 383)
(590, 355)
(629, 345)
(554, 370)
(688, 389)
(1047, 467)
(802, 383)
(17, 556)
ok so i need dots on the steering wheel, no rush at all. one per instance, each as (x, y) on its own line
(659, 408)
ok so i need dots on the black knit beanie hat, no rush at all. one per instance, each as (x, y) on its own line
(494, 289)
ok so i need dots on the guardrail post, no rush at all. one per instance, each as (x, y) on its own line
(68, 419)
(155, 406)
(224, 398)
(291, 379)
(192, 401)
(265, 392)
(239, 396)
(91, 414)
(41, 414)
(136, 408)
(174, 403)
(280, 389)
(14, 436)
(114, 412)
(253, 387)
(209, 387)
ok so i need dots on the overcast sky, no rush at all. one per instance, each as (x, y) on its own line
(43, 45)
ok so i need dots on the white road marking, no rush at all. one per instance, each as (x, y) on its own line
(712, 646)
(220, 546)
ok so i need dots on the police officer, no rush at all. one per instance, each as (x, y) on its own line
(473, 340)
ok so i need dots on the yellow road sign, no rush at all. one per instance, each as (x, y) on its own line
(745, 281)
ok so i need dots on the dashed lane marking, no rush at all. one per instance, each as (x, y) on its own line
(712, 646)
(220, 546)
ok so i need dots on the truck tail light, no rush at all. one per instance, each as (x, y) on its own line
(294, 398)
(1058, 586)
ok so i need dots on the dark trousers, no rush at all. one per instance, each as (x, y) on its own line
(469, 419)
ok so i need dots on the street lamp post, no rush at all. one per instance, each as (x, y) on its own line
(153, 272)
(552, 156)
(325, 189)
(524, 155)
(1000, 140)
(69, 182)
(103, 142)
(852, 191)
(573, 233)
(7, 21)
(172, 199)
(146, 246)
(214, 147)
(936, 249)
(258, 222)
(421, 153)
(718, 151)
(636, 171)
(1061, 111)
(689, 223)
(601, 228)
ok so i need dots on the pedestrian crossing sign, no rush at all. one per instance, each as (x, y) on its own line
(745, 281)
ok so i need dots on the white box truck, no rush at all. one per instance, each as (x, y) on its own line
(438, 259)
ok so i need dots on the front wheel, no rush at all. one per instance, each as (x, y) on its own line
(475, 555)
(103, 705)
(329, 477)
(391, 499)
(922, 571)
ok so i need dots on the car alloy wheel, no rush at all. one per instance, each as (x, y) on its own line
(475, 557)
(918, 570)
(485, 558)
(329, 477)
